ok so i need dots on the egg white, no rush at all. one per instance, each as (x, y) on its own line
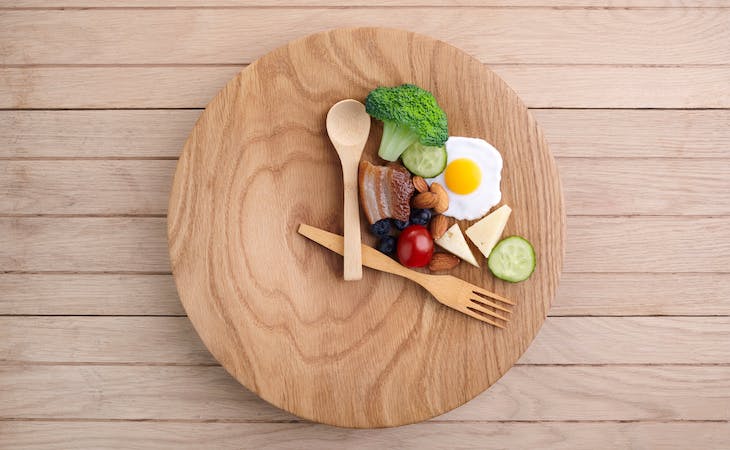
(477, 203)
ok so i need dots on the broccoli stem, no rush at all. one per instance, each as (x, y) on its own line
(396, 139)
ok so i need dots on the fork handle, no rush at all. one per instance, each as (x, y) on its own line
(370, 257)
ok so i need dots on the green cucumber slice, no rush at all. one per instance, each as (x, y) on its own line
(512, 259)
(424, 161)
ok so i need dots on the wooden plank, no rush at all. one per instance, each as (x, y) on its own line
(596, 244)
(631, 340)
(619, 87)
(99, 294)
(215, 36)
(128, 392)
(320, 3)
(644, 133)
(42, 435)
(161, 133)
(604, 186)
(139, 340)
(172, 340)
(669, 186)
(133, 87)
(83, 244)
(643, 294)
(687, 294)
(95, 134)
(85, 187)
(526, 393)
(647, 244)
(194, 86)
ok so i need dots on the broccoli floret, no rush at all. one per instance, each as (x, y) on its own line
(409, 113)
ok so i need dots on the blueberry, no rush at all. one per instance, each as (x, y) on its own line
(387, 245)
(401, 224)
(381, 228)
(420, 216)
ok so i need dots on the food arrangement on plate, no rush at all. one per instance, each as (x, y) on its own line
(414, 202)
(430, 178)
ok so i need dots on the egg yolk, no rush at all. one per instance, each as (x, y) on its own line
(462, 176)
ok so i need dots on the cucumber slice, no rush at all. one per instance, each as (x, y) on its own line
(424, 161)
(513, 259)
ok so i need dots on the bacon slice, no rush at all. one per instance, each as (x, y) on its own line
(385, 191)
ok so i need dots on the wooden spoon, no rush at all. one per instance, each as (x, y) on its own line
(348, 126)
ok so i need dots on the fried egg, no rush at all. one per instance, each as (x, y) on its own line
(472, 177)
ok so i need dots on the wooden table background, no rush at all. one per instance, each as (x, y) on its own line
(98, 96)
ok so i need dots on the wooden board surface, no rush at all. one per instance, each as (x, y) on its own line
(641, 36)
(272, 307)
(580, 294)
(182, 86)
(63, 291)
(171, 340)
(555, 435)
(12, 4)
(142, 134)
(142, 188)
(207, 394)
(598, 244)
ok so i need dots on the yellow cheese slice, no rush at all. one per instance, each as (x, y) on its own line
(486, 233)
(453, 241)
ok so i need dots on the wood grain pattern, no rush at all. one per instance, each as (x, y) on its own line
(604, 186)
(161, 133)
(580, 294)
(43, 435)
(618, 294)
(514, 35)
(98, 294)
(525, 393)
(303, 3)
(603, 244)
(85, 187)
(87, 244)
(657, 411)
(672, 187)
(194, 86)
(375, 355)
(636, 133)
(625, 340)
(172, 340)
(95, 134)
(597, 244)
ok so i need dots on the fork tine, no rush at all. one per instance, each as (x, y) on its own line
(482, 309)
(486, 302)
(485, 293)
(478, 316)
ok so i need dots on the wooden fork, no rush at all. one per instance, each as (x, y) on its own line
(448, 290)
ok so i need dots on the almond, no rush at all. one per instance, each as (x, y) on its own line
(425, 200)
(443, 261)
(439, 225)
(420, 184)
(442, 198)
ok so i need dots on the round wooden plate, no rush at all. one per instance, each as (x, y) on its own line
(272, 307)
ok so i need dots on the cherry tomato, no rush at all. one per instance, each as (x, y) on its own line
(415, 246)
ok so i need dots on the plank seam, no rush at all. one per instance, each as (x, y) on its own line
(12, 363)
(302, 421)
(357, 7)
(243, 65)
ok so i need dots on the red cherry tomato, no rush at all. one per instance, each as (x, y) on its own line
(415, 246)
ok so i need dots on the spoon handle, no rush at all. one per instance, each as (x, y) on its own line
(353, 250)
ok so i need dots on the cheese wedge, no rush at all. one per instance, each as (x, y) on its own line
(486, 233)
(453, 242)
